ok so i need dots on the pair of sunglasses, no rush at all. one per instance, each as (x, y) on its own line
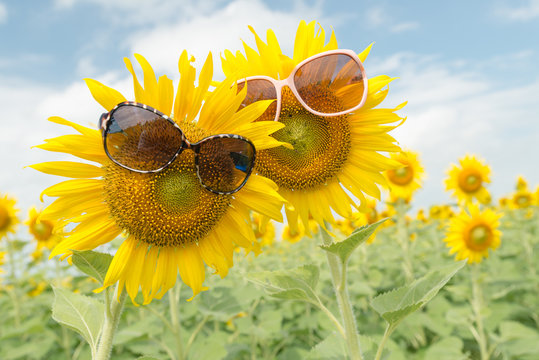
(139, 138)
(337, 74)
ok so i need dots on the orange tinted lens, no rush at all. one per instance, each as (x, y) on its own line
(331, 83)
(225, 163)
(140, 139)
(260, 89)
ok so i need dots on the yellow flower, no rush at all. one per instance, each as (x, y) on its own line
(421, 216)
(522, 199)
(468, 180)
(471, 234)
(42, 230)
(264, 230)
(2, 255)
(407, 178)
(293, 235)
(171, 222)
(522, 184)
(330, 154)
(8, 215)
(37, 288)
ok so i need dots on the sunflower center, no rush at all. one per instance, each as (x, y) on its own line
(168, 208)
(321, 145)
(470, 181)
(4, 218)
(479, 237)
(402, 176)
(523, 200)
(42, 230)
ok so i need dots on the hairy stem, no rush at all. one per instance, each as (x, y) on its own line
(339, 285)
(113, 312)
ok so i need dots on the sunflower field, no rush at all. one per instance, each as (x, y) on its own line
(266, 308)
(269, 215)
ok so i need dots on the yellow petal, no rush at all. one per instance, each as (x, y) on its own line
(104, 95)
(69, 169)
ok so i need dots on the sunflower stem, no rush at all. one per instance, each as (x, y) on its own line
(173, 299)
(402, 238)
(389, 330)
(338, 276)
(13, 292)
(113, 312)
(477, 303)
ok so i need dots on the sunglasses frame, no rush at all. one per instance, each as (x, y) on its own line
(289, 82)
(104, 124)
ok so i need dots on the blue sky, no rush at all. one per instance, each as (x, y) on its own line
(468, 69)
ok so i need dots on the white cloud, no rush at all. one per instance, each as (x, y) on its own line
(452, 112)
(379, 17)
(3, 13)
(526, 12)
(216, 32)
(137, 12)
(405, 26)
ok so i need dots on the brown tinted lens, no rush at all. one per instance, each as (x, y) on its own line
(330, 84)
(259, 89)
(140, 139)
(225, 163)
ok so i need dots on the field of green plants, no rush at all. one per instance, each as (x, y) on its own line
(281, 305)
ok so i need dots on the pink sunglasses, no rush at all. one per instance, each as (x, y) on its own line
(334, 76)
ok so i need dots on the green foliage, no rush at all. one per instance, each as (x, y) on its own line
(294, 284)
(343, 249)
(79, 313)
(242, 317)
(92, 263)
(395, 305)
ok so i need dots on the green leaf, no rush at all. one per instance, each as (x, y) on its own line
(331, 348)
(343, 249)
(294, 284)
(210, 347)
(79, 313)
(395, 305)
(517, 340)
(222, 303)
(92, 263)
(148, 358)
(449, 348)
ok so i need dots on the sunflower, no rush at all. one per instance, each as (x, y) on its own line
(407, 178)
(471, 234)
(42, 230)
(522, 199)
(521, 184)
(293, 235)
(2, 255)
(330, 154)
(468, 180)
(8, 215)
(264, 230)
(171, 222)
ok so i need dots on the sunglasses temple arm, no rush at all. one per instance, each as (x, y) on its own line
(102, 121)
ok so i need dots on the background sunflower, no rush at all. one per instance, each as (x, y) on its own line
(467, 181)
(8, 215)
(472, 233)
